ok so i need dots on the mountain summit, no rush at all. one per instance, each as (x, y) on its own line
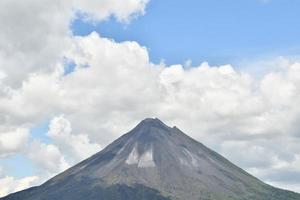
(154, 162)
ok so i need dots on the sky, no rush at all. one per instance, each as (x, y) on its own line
(215, 31)
(77, 74)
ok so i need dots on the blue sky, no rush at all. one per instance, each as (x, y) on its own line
(215, 31)
(19, 165)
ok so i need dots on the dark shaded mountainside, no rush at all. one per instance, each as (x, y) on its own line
(154, 162)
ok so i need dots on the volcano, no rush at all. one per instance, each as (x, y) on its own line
(154, 162)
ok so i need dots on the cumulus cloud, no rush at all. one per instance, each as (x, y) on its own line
(77, 147)
(47, 157)
(12, 141)
(9, 184)
(35, 43)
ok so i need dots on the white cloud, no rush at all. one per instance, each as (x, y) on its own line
(36, 43)
(9, 184)
(78, 146)
(12, 141)
(47, 157)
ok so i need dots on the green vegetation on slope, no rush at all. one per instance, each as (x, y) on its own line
(114, 192)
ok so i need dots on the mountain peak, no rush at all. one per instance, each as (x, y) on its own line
(152, 122)
(150, 127)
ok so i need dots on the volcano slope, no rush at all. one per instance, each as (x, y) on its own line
(154, 162)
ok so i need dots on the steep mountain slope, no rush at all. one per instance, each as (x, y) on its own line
(154, 162)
